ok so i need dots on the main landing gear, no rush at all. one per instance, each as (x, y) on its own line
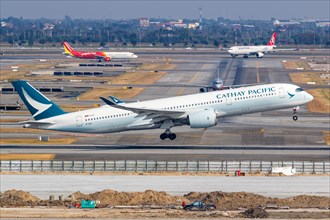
(295, 117)
(167, 124)
(168, 134)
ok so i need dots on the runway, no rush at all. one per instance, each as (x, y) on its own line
(176, 153)
(261, 136)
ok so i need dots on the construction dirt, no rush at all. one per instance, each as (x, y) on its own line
(163, 205)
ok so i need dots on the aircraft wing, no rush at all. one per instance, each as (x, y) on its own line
(141, 110)
(242, 85)
(102, 56)
(99, 57)
(284, 49)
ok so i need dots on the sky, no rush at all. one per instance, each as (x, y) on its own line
(170, 9)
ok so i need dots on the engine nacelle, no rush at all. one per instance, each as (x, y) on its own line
(203, 119)
(259, 54)
(203, 89)
(107, 59)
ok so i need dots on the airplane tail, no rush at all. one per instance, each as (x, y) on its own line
(68, 49)
(272, 40)
(39, 105)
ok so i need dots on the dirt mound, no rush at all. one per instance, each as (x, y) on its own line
(233, 201)
(255, 213)
(222, 200)
(148, 197)
(17, 198)
(304, 201)
(229, 201)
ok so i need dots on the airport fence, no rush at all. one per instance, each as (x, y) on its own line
(311, 167)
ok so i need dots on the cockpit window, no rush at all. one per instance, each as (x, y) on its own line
(299, 89)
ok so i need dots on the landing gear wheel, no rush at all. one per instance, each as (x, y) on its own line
(163, 136)
(295, 117)
(172, 136)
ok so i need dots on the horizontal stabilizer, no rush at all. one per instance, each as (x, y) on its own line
(37, 122)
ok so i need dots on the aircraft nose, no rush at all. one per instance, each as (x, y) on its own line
(135, 56)
(308, 97)
(218, 86)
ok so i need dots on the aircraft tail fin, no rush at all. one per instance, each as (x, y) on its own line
(68, 49)
(39, 105)
(272, 40)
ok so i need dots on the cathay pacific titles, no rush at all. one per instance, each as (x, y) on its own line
(249, 92)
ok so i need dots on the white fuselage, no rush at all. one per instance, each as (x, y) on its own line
(121, 55)
(249, 50)
(107, 119)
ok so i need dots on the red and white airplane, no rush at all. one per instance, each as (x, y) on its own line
(258, 51)
(99, 55)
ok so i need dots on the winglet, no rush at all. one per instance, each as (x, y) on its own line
(115, 100)
(107, 101)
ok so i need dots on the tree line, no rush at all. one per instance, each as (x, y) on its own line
(214, 33)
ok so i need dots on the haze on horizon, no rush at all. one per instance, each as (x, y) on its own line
(169, 9)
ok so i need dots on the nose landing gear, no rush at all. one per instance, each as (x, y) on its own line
(295, 117)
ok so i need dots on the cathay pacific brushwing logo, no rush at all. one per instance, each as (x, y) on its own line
(36, 105)
(291, 95)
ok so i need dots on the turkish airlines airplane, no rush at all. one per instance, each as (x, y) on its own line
(197, 110)
(215, 85)
(101, 56)
(258, 51)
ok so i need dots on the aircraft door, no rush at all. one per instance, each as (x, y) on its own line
(281, 92)
(79, 121)
(228, 101)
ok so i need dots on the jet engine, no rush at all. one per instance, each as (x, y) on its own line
(260, 55)
(202, 119)
(106, 59)
(203, 89)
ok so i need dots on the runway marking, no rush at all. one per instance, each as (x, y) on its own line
(180, 92)
(192, 79)
(27, 156)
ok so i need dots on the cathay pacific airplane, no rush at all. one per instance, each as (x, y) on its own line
(197, 110)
